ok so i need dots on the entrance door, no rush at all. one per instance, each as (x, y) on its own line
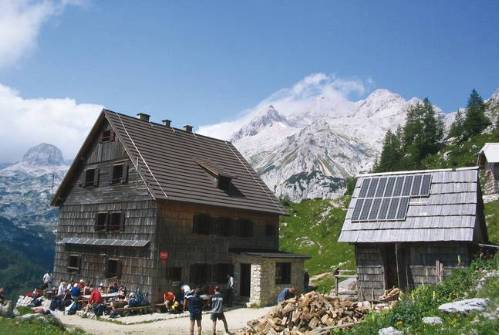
(390, 266)
(245, 280)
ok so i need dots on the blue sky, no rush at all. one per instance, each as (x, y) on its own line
(202, 62)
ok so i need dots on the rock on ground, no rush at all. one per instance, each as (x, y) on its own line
(432, 320)
(389, 331)
(464, 306)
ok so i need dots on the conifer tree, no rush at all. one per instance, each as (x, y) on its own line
(456, 128)
(390, 158)
(475, 118)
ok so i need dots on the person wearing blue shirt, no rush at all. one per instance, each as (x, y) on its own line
(195, 306)
(75, 292)
(286, 294)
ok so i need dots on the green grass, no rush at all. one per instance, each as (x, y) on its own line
(312, 228)
(425, 300)
(16, 327)
(491, 215)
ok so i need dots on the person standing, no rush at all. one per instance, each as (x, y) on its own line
(229, 290)
(47, 280)
(217, 312)
(306, 281)
(195, 306)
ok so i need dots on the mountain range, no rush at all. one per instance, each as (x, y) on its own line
(305, 146)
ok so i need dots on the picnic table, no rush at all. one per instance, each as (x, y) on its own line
(105, 296)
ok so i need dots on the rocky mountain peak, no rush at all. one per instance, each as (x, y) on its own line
(43, 154)
(266, 119)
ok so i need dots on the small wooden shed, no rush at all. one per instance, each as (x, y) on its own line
(488, 162)
(413, 227)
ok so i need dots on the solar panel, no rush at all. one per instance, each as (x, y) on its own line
(425, 190)
(403, 206)
(364, 187)
(388, 198)
(382, 213)
(407, 185)
(372, 188)
(357, 209)
(398, 187)
(389, 187)
(366, 208)
(381, 187)
(393, 207)
(374, 209)
(417, 182)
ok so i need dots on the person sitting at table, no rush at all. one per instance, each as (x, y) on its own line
(113, 288)
(95, 301)
(61, 290)
(170, 302)
(75, 292)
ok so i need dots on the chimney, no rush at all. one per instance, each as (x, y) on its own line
(143, 117)
(167, 123)
(188, 128)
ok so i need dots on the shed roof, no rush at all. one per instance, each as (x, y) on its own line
(168, 160)
(490, 151)
(450, 209)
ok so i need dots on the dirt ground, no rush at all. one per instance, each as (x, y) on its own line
(236, 319)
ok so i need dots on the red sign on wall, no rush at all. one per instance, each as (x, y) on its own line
(163, 256)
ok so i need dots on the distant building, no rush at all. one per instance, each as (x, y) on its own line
(488, 161)
(413, 227)
(152, 206)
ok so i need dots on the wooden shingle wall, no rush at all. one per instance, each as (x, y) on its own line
(175, 235)
(78, 216)
(370, 271)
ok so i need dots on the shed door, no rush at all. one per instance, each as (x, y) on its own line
(245, 280)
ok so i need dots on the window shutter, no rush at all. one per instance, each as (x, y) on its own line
(122, 221)
(119, 269)
(96, 178)
(125, 174)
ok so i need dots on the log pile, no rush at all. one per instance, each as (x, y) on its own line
(390, 295)
(311, 313)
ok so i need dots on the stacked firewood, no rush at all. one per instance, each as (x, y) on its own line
(390, 295)
(311, 313)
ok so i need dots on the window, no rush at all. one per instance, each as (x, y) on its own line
(174, 273)
(113, 268)
(91, 177)
(108, 136)
(224, 226)
(223, 182)
(101, 221)
(116, 221)
(199, 274)
(245, 228)
(118, 174)
(74, 263)
(221, 271)
(270, 230)
(283, 273)
(201, 224)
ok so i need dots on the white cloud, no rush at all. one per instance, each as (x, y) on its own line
(20, 24)
(311, 94)
(27, 122)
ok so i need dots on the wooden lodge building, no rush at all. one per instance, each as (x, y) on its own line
(413, 227)
(156, 207)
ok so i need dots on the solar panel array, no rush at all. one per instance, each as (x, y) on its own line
(387, 198)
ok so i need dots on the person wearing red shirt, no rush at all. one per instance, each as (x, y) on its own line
(95, 298)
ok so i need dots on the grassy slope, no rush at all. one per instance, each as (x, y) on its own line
(491, 214)
(15, 327)
(312, 228)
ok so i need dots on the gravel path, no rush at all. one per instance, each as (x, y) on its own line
(236, 319)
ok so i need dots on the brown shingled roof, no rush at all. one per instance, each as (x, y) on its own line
(168, 160)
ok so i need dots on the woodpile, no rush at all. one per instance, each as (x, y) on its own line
(390, 295)
(311, 313)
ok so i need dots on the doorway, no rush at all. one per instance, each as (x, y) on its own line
(390, 266)
(245, 280)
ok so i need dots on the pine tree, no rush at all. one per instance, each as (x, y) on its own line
(422, 134)
(391, 156)
(457, 127)
(475, 118)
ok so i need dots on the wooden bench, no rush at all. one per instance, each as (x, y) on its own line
(139, 309)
